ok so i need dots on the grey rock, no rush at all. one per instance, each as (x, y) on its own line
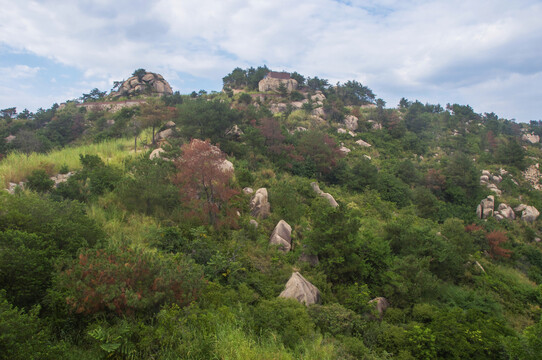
(301, 289)
(282, 236)
(486, 207)
(259, 204)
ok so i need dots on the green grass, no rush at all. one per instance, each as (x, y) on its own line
(17, 166)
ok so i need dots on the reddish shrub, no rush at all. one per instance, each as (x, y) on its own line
(127, 281)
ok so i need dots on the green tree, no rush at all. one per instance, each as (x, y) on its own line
(206, 119)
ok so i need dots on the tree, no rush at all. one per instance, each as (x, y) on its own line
(139, 73)
(8, 114)
(28, 142)
(204, 181)
(94, 95)
(153, 113)
(354, 93)
(206, 119)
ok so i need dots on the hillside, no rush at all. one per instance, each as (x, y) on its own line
(282, 218)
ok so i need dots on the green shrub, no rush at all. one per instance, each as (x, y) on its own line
(286, 318)
(335, 319)
(39, 181)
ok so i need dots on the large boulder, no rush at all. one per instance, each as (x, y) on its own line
(282, 236)
(532, 138)
(380, 305)
(504, 211)
(530, 214)
(351, 122)
(165, 134)
(259, 204)
(486, 207)
(149, 84)
(326, 196)
(301, 289)
(155, 154)
(272, 84)
(363, 143)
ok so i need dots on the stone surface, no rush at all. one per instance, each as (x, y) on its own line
(155, 154)
(486, 207)
(165, 134)
(363, 143)
(341, 131)
(532, 175)
(380, 305)
(282, 236)
(253, 223)
(531, 138)
(259, 204)
(234, 131)
(149, 84)
(344, 150)
(301, 289)
(351, 122)
(272, 84)
(530, 214)
(325, 195)
(278, 108)
(318, 96)
(170, 124)
(248, 190)
(506, 212)
(319, 111)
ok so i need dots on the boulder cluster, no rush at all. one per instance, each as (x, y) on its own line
(486, 209)
(532, 175)
(150, 83)
(492, 180)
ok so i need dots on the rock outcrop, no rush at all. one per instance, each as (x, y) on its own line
(532, 175)
(530, 214)
(301, 289)
(272, 84)
(363, 143)
(531, 138)
(259, 204)
(486, 207)
(351, 122)
(282, 236)
(149, 84)
(325, 195)
(504, 211)
(491, 181)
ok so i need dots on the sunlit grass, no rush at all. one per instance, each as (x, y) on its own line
(17, 166)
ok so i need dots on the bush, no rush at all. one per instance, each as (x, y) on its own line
(126, 281)
(335, 319)
(286, 318)
(39, 181)
(22, 335)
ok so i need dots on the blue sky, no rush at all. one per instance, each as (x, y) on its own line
(483, 53)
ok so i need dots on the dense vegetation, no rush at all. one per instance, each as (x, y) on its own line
(133, 257)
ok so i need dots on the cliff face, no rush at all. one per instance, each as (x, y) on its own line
(150, 83)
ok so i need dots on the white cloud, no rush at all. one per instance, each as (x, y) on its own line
(414, 47)
(18, 72)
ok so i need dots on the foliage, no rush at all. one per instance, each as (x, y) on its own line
(204, 183)
(127, 281)
(24, 336)
(205, 119)
(39, 181)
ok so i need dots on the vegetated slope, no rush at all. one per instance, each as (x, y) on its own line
(185, 249)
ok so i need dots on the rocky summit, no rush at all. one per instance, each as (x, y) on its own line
(149, 84)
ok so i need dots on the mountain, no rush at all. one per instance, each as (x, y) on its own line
(307, 220)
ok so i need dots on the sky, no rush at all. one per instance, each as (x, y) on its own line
(484, 53)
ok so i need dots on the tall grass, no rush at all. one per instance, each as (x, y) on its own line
(17, 166)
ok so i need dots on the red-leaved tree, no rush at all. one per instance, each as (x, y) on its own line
(495, 239)
(204, 179)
